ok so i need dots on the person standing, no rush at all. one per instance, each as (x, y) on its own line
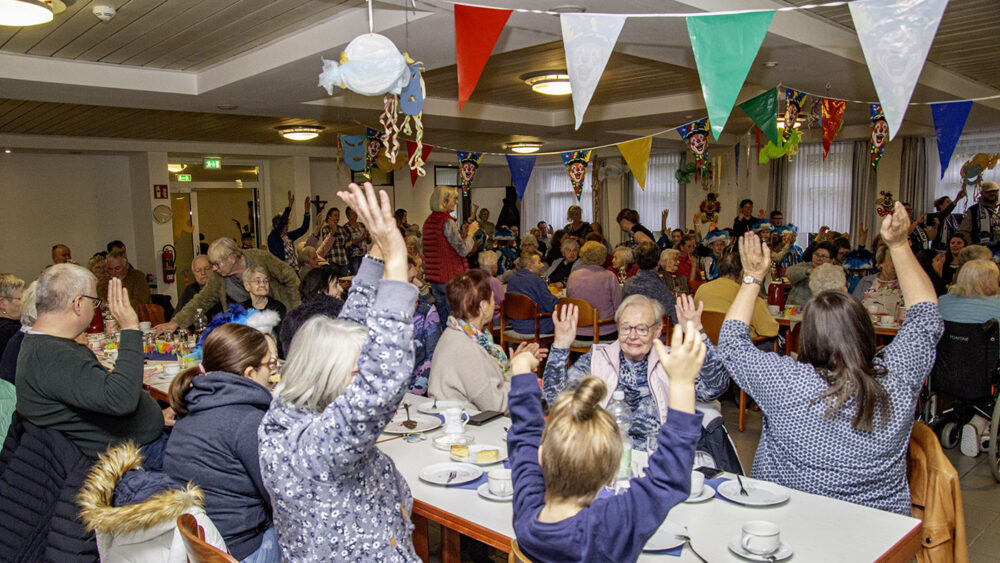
(982, 220)
(445, 245)
(357, 240)
(281, 241)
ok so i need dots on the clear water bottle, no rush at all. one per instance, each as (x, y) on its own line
(200, 322)
(622, 414)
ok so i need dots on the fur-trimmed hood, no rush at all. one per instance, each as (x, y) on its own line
(156, 514)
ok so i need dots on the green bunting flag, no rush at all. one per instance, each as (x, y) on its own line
(725, 46)
(763, 110)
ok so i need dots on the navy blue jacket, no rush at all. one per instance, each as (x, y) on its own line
(215, 447)
(274, 242)
(533, 286)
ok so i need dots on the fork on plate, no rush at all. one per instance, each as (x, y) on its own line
(451, 477)
(743, 492)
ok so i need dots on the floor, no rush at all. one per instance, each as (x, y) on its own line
(980, 492)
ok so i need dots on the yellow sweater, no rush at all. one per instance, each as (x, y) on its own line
(718, 296)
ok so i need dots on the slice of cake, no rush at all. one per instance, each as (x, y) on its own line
(483, 456)
(460, 451)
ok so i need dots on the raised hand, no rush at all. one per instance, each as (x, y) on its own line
(896, 227)
(755, 256)
(473, 228)
(687, 312)
(377, 215)
(938, 263)
(687, 352)
(291, 198)
(307, 206)
(119, 305)
(526, 358)
(565, 319)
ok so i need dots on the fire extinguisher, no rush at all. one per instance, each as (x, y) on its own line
(167, 258)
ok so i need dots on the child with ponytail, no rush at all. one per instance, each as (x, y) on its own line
(560, 467)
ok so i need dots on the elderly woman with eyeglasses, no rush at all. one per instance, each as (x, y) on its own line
(630, 363)
(258, 285)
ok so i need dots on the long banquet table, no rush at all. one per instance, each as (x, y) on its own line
(817, 528)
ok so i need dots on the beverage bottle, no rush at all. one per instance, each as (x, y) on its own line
(200, 322)
(110, 324)
(622, 414)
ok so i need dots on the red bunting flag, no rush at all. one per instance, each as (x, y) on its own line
(417, 167)
(833, 112)
(476, 33)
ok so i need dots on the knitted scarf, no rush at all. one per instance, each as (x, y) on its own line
(484, 339)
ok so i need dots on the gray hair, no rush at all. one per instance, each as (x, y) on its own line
(10, 284)
(488, 261)
(637, 300)
(529, 239)
(249, 273)
(828, 277)
(28, 311)
(60, 284)
(311, 380)
(569, 242)
(118, 255)
(222, 248)
(94, 261)
(625, 253)
(305, 254)
(974, 252)
(670, 252)
(440, 195)
(527, 258)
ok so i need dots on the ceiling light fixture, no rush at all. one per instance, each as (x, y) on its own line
(568, 9)
(20, 13)
(300, 132)
(524, 147)
(227, 107)
(549, 82)
(175, 168)
(770, 64)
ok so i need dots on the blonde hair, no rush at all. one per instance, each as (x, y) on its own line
(488, 261)
(593, 253)
(10, 284)
(827, 277)
(976, 278)
(94, 261)
(581, 444)
(311, 381)
(440, 195)
(574, 209)
(222, 248)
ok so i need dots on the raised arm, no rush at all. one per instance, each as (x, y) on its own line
(527, 423)
(916, 286)
(713, 378)
(462, 245)
(305, 224)
(756, 259)
(556, 375)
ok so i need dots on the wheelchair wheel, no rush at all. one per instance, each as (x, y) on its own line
(994, 454)
(950, 434)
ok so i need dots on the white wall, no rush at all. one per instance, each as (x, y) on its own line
(82, 201)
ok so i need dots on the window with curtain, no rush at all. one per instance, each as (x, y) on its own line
(819, 193)
(966, 148)
(550, 193)
(662, 192)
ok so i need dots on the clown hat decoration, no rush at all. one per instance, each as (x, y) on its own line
(880, 132)
(793, 105)
(763, 225)
(695, 134)
(789, 229)
(503, 233)
(468, 163)
(576, 166)
(715, 236)
(884, 203)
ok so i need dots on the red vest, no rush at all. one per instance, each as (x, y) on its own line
(441, 262)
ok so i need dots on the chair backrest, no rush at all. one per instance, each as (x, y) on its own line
(152, 313)
(712, 321)
(519, 308)
(968, 356)
(515, 555)
(792, 339)
(588, 314)
(198, 550)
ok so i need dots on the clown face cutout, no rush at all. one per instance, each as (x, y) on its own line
(577, 170)
(576, 167)
(468, 171)
(468, 164)
(698, 143)
(880, 132)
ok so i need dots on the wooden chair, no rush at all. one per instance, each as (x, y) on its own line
(588, 317)
(792, 340)
(151, 313)
(198, 550)
(521, 308)
(516, 555)
(712, 321)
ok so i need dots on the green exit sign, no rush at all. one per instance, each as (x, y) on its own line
(183, 177)
(213, 163)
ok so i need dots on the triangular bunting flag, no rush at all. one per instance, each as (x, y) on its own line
(520, 166)
(468, 163)
(417, 165)
(725, 46)
(763, 110)
(636, 155)
(895, 37)
(833, 112)
(588, 40)
(949, 120)
(476, 33)
(576, 166)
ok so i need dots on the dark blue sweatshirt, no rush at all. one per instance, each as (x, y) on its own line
(215, 446)
(613, 528)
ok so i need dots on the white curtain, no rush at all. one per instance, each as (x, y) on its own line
(550, 193)
(819, 193)
(966, 148)
(662, 192)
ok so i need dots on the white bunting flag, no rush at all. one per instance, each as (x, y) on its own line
(588, 40)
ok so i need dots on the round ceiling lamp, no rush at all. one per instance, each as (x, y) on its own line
(176, 168)
(549, 82)
(300, 132)
(525, 147)
(20, 13)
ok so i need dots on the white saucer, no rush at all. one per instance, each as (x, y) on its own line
(761, 493)
(666, 537)
(438, 473)
(707, 492)
(484, 491)
(784, 552)
(424, 423)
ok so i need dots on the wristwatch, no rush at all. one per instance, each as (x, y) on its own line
(750, 279)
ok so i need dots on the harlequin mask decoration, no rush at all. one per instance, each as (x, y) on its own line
(576, 166)
(695, 134)
(793, 104)
(468, 163)
(884, 203)
(880, 132)
(354, 147)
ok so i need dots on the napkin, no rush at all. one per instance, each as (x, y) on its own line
(158, 357)
(478, 482)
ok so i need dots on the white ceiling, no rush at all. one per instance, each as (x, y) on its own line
(160, 69)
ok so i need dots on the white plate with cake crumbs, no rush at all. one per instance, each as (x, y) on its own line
(479, 454)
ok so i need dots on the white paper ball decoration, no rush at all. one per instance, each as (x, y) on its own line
(371, 65)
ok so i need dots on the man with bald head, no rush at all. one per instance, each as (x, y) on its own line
(61, 254)
(982, 220)
(200, 269)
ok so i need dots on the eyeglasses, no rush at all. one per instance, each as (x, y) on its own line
(96, 300)
(259, 281)
(640, 330)
(271, 364)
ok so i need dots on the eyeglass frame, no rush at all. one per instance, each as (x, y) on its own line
(97, 301)
(638, 329)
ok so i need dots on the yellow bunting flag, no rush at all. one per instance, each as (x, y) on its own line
(636, 155)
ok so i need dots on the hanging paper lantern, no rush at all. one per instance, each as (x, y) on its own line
(371, 65)
(793, 105)
(695, 134)
(468, 163)
(880, 133)
(576, 166)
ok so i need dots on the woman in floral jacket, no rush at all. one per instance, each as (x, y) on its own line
(336, 496)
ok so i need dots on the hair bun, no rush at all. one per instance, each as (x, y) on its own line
(586, 397)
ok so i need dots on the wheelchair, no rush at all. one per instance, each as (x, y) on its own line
(965, 381)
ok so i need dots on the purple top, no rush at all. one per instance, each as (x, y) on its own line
(498, 292)
(614, 528)
(599, 287)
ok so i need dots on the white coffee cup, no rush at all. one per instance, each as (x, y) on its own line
(760, 537)
(697, 483)
(145, 326)
(774, 310)
(454, 420)
(500, 482)
(171, 369)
